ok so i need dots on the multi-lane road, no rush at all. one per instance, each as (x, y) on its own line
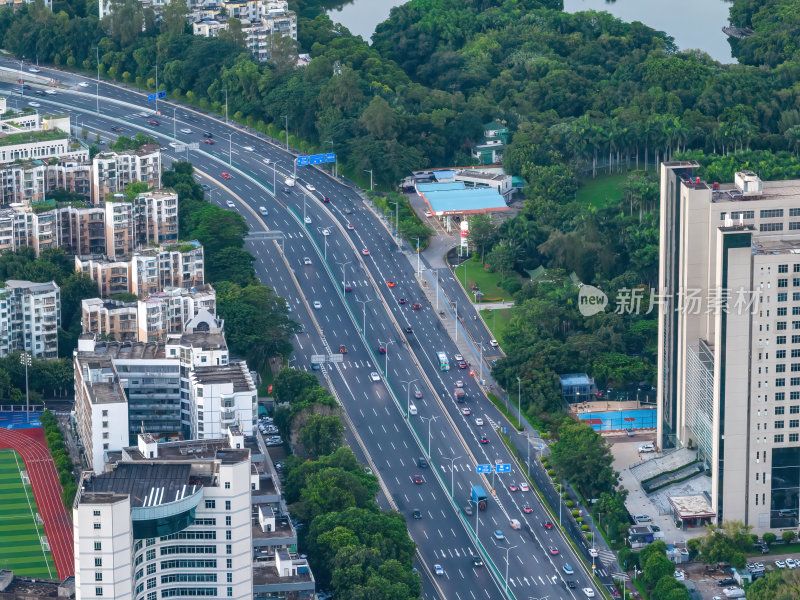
(393, 440)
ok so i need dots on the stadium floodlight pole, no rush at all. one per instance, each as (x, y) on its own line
(25, 359)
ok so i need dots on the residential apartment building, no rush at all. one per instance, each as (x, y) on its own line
(179, 265)
(157, 218)
(111, 276)
(14, 227)
(729, 285)
(81, 229)
(169, 520)
(30, 315)
(29, 182)
(112, 171)
(151, 319)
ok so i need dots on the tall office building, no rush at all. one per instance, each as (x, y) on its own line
(169, 520)
(729, 338)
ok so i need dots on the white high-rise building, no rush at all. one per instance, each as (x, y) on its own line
(729, 339)
(33, 317)
(168, 521)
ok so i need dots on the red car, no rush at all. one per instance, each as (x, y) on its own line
(417, 479)
(548, 525)
(153, 122)
(553, 550)
(462, 365)
(390, 283)
(527, 509)
(401, 301)
(513, 487)
(466, 411)
(326, 199)
(365, 252)
(350, 227)
(417, 306)
(208, 141)
(484, 439)
(226, 175)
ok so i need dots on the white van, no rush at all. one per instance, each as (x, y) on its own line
(289, 181)
(412, 409)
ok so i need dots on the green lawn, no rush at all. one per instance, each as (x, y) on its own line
(487, 282)
(496, 320)
(21, 551)
(603, 191)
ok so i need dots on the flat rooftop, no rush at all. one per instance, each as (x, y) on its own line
(145, 484)
(687, 507)
(189, 450)
(269, 575)
(775, 245)
(482, 175)
(204, 340)
(455, 198)
(282, 530)
(125, 350)
(220, 374)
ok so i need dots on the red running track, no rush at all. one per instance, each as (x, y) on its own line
(31, 445)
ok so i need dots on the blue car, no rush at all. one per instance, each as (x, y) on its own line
(568, 569)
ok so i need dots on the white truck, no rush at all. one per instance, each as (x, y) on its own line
(733, 592)
(289, 181)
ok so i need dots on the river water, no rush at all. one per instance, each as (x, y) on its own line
(693, 23)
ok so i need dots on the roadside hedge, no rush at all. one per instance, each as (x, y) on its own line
(61, 459)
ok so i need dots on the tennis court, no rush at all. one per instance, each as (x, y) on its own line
(24, 549)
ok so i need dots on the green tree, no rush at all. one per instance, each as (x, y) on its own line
(482, 233)
(502, 258)
(174, 16)
(583, 457)
(321, 434)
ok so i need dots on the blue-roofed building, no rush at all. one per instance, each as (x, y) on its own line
(576, 387)
(455, 201)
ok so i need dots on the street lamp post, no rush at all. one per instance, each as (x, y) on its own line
(417, 256)
(364, 308)
(429, 419)
(509, 549)
(480, 377)
(322, 230)
(226, 105)
(436, 272)
(335, 167)
(25, 359)
(344, 276)
(386, 356)
(274, 189)
(408, 396)
(452, 471)
(370, 178)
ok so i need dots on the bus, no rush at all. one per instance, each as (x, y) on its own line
(444, 364)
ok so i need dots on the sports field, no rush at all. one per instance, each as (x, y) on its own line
(21, 531)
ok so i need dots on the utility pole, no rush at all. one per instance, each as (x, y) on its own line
(429, 419)
(25, 359)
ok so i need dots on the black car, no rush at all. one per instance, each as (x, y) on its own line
(409, 330)
(726, 582)
(116, 129)
(477, 561)
(571, 584)
(207, 135)
(422, 463)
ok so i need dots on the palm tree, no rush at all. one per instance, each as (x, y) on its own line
(792, 136)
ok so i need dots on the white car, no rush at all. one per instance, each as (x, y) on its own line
(230, 204)
(589, 592)
(263, 210)
(326, 232)
(248, 148)
(458, 357)
(593, 552)
(186, 130)
(311, 188)
(791, 563)
(50, 92)
(83, 84)
(34, 104)
(493, 343)
(266, 161)
(680, 575)
(478, 421)
(307, 220)
(317, 304)
(34, 70)
(306, 261)
(174, 144)
(524, 487)
(647, 448)
(427, 213)
(374, 376)
(780, 564)
(438, 569)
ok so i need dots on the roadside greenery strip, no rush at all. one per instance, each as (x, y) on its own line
(61, 459)
(511, 418)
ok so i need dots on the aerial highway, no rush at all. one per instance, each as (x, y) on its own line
(336, 289)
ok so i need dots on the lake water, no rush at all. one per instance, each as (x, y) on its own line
(693, 23)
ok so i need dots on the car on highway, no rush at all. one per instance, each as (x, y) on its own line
(326, 199)
(208, 135)
(342, 349)
(466, 411)
(306, 260)
(438, 570)
(50, 92)
(226, 175)
(263, 210)
(568, 569)
(593, 552)
(350, 227)
(417, 306)
(41, 93)
(307, 220)
(326, 232)
(417, 479)
(309, 187)
(374, 376)
(185, 130)
(116, 129)
(317, 304)
(478, 421)
(548, 525)
(512, 487)
(208, 142)
(498, 535)
(390, 283)
(248, 148)
(34, 104)
(427, 213)
(515, 524)
(459, 384)
(266, 161)
(83, 84)
(381, 350)
(527, 509)
(493, 343)
(417, 394)
(409, 330)
(589, 592)
(401, 301)
(484, 439)
(457, 357)
(153, 122)
(365, 252)
(348, 288)
(422, 463)
(523, 487)
(230, 204)
(552, 550)
(206, 187)
(477, 561)
(571, 584)
(34, 70)
(462, 365)
(467, 508)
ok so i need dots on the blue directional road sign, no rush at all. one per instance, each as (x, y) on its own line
(330, 157)
(302, 161)
(162, 94)
(317, 159)
(483, 469)
(503, 468)
(151, 97)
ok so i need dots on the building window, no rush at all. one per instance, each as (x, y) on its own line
(780, 396)
(98, 562)
(228, 520)
(794, 423)
(230, 577)
(97, 525)
(782, 297)
(211, 504)
(780, 382)
(151, 583)
(796, 339)
(794, 212)
(152, 595)
(779, 354)
(98, 576)
(779, 410)
(96, 513)
(98, 591)
(780, 326)
(151, 541)
(778, 424)
(783, 268)
(779, 368)
(783, 283)
(228, 534)
(228, 549)
(771, 213)
(139, 575)
(98, 546)
(794, 381)
(229, 563)
(230, 592)
(151, 568)
(743, 214)
(781, 339)
(227, 485)
(778, 439)
(151, 554)
(781, 311)
(227, 504)
(793, 437)
(771, 227)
